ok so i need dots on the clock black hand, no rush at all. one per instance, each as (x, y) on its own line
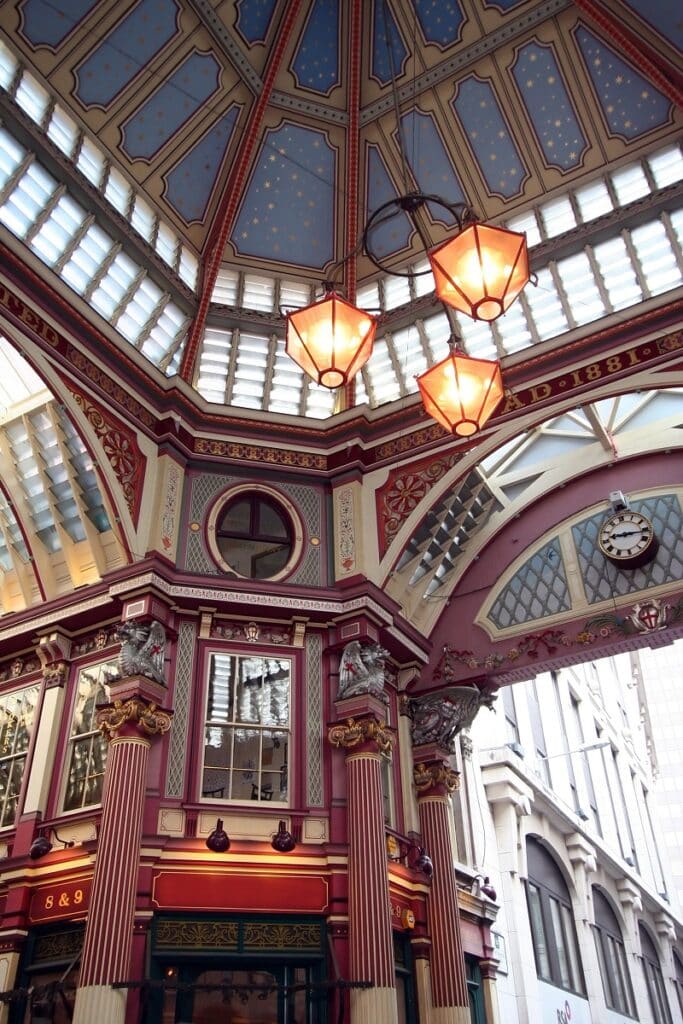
(628, 533)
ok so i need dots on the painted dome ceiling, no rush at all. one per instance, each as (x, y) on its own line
(191, 169)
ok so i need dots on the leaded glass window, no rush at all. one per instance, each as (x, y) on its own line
(17, 717)
(87, 746)
(246, 733)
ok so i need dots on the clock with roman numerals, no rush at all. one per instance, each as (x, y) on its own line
(627, 539)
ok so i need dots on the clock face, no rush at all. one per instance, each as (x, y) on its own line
(628, 539)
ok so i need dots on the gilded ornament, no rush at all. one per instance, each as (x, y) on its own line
(352, 732)
(430, 776)
(55, 674)
(150, 719)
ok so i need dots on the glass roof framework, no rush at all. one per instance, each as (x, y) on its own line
(615, 273)
(247, 368)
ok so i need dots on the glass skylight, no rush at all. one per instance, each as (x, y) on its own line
(37, 209)
(93, 164)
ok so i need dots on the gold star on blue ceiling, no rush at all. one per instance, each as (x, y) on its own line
(288, 207)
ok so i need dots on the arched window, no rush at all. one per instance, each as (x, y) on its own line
(616, 981)
(659, 1004)
(552, 923)
(678, 967)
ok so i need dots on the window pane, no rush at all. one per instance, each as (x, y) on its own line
(17, 718)
(87, 747)
(538, 933)
(246, 736)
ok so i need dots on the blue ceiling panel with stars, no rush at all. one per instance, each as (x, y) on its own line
(190, 184)
(385, 58)
(440, 22)
(477, 106)
(48, 24)
(630, 104)
(430, 163)
(394, 234)
(548, 104)
(126, 51)
(253, 19)
(664, 15)
(288, 209)
(316, 65)
(504, 5)
(164, 113)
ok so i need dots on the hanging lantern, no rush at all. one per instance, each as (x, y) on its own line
(461, 392)
(330, 340)
(481, 271)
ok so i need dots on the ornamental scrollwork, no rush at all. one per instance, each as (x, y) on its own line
(432, 776)
(350, 733)
(55, 674)
(147, 717)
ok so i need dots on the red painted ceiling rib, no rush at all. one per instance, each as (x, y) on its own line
(225, 216)
(667, 79)
(352, 164)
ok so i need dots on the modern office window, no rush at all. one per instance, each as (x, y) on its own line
(678, 967)
(511, 726)
(578, 741)
(553, 931)
(659, 1004)
(246, 732)
(537, 731)
(17, 717)
(87, 746)
(616, 981)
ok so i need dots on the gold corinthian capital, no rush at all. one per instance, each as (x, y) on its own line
(435, 776)
(142, 714)
(353, 731)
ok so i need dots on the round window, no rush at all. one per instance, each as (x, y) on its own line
(253, 534)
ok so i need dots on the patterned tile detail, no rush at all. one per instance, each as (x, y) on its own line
(316, 64)
(179, 743)
(394, 234)
(477, 106)
(385, 31)
(314, 720)
(440, 22)
(253, 19)
(602, 580)
(544, 94)
(125, 51)
(430, 163)
(190, 183)
(630, 103)
(288, 208)
(538, 588)
(171, 106)
(48, 24)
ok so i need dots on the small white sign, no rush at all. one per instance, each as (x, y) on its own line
(500, 952)
(561, 1007)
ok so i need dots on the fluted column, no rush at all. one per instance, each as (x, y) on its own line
(130, 723)
(434, 780)
(371, 953)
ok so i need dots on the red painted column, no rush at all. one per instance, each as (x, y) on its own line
(434, 780)
(130, 723)
(371, 953)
